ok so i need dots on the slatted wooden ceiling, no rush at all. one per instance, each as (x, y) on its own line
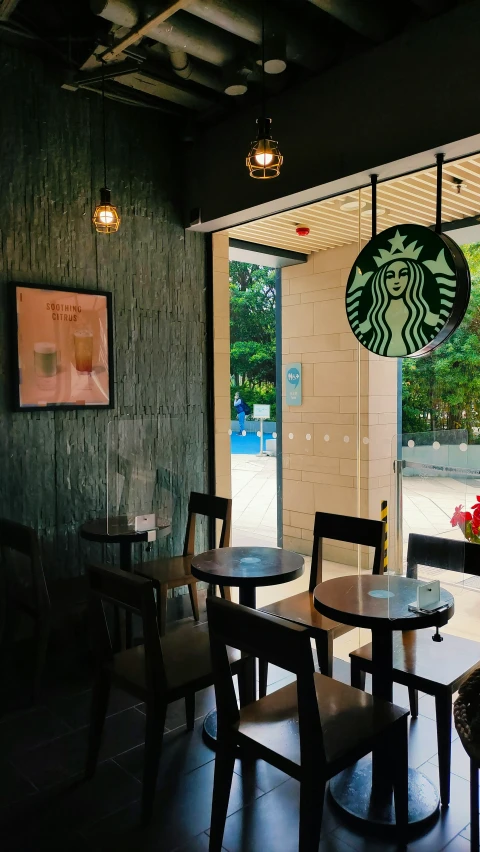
(407, 199)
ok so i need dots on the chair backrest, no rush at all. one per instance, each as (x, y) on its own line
(24, 540)
(363, 531)
(283, 643)
(216, 508)
(446, 553)
(130, 592)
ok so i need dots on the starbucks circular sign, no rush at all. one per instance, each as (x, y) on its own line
(407, 292)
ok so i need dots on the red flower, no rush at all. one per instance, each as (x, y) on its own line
(460, 518)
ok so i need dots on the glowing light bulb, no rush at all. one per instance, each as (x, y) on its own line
(106, 216)
(263, 159)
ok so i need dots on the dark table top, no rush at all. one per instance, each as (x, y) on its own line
(247, 566)
(118, 530)
(378, 602)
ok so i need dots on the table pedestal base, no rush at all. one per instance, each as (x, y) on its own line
(351, 791)
(210, 729)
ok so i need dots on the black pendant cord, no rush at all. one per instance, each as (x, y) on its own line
(264, 104)
(373, 179)
(438, 217)
(104, 127)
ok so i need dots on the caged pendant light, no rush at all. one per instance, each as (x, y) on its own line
(264, 158)
(105, 217)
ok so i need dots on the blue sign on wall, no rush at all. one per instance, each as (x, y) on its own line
(293, 384)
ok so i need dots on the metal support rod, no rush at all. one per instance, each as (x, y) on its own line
(438, 217)
(373, 179)
(398, 516)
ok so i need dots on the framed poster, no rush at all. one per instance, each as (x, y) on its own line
(62, 348)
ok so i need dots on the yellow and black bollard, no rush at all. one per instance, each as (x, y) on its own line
(384, 517)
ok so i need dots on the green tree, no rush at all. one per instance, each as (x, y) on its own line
(252, 331)
(442, 390)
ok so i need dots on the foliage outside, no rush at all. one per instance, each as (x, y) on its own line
(442, 390)
(252, 334)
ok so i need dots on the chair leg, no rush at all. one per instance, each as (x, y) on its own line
(413, 699)
(192, 591)
(98, 711)
(224, 763)
(225, 593)
(155, 724)
(443, 707)
(42, 637)
(324, 645)
(263, 677)
(357, 675)
(474, 827)
(312, 795)
(162, 592)
(400, 778)
(190, 710)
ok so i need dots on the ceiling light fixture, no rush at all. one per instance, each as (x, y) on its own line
(264, 158)
(105, 217)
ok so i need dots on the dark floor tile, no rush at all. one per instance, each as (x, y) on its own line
(181, 812)
(458, 844)
(460, 760)
(65, 756)
(74, 710)
(13, 787)
(279, 684)
(271, 823)
(204, 702)
(422, 741)
(28, 729)
(66, 808)
(200, 844)
(260, 774)
(182, 752)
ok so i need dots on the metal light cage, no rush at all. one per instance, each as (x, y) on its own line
(105, 217)
(264, 146)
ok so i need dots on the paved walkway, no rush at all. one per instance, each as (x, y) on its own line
(254, 491)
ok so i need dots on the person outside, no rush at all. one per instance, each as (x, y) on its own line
(242, 409)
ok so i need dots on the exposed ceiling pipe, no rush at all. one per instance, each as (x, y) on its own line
(374, 19)
(189, 70)
(244, 20)
(180, 32)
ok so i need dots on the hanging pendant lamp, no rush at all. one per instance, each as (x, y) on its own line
(264, 158)
(105, 217)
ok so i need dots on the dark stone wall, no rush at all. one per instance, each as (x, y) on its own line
(53, 464)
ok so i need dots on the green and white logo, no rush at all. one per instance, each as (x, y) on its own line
(407, 291)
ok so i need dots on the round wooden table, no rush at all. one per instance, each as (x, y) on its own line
(247, 568)
(380, 603)
(117, 531)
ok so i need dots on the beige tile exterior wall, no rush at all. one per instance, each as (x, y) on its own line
(321, 443)
(317, 474)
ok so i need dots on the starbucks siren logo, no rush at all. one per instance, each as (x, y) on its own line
(407, 291)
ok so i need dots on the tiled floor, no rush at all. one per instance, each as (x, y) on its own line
(45, 804)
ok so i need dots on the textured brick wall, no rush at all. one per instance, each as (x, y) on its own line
(53, 465)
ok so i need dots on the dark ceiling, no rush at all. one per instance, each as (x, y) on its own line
(201, 59)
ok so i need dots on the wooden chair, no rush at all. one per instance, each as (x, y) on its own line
(434, 667)
(172, 572)
(311, 729)
(157, 672)
(25, 590)
(466, 713)
(300, 609)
